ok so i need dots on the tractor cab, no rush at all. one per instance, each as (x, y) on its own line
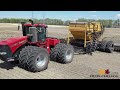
(37, 32)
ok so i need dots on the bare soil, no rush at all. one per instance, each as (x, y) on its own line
(82, 67)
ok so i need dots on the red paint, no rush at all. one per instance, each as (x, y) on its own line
(14, 43)
(49, 42)
(35, 25)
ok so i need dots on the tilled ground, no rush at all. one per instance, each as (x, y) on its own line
(82, 67)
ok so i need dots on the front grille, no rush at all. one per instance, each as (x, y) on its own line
(5, 52)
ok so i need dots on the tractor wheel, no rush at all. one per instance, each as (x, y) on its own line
(110, 47)
(33, 58)
(54, 52)
(62, 53)
(103, 46)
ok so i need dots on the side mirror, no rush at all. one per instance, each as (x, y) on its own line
(46, 26)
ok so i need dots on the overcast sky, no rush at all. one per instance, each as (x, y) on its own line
(64, 15)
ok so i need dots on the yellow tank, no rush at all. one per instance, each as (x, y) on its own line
(83, 30)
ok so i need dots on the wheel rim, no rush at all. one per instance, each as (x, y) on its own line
(69, 55)
(41, 60)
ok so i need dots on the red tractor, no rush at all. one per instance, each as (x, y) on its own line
(34, 49)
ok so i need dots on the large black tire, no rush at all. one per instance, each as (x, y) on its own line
(34, 58)
(103, 46)
(110, 47)
(62, 53)
(88, 49)
(117, 48)
(54, 52)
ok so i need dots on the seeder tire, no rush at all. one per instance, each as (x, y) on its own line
(117, 48)
(110, 47)
(103, 46)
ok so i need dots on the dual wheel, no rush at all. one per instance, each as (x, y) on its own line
(36, 59)
(106, 46)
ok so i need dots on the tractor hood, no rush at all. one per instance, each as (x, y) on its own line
(9, 46)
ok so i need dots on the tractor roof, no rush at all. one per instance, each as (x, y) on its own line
(36, 25)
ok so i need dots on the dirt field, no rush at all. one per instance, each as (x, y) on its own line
(81, 68)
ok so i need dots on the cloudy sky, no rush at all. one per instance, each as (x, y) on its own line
(64, 15)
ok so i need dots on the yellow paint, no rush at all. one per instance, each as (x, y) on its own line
(85, 38)
(68, 38)
(78, 30)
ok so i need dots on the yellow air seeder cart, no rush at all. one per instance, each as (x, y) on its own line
(85, 36)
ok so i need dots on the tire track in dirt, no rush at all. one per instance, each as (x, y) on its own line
(81, 67)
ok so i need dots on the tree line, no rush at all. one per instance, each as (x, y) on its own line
(107, 23)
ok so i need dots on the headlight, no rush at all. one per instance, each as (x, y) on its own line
(3, 53)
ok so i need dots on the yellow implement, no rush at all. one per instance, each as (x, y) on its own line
(83, 31)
